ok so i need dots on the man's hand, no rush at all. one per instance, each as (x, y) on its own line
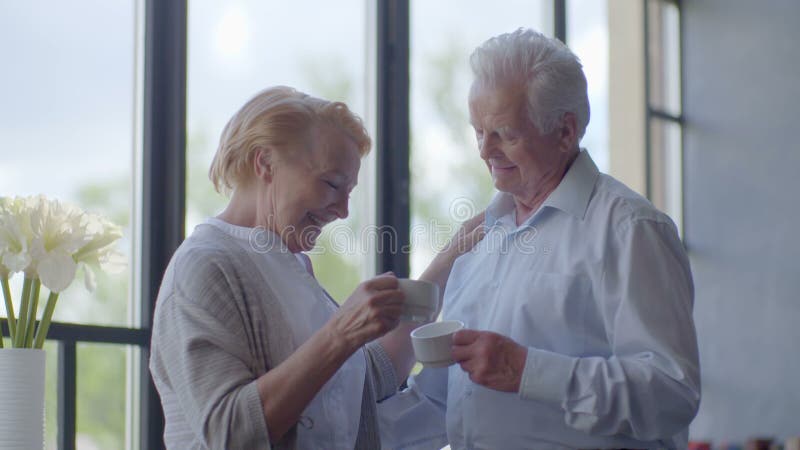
(490, 359)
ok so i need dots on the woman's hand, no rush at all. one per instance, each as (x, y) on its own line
(397, 344)
(371, 311)
(470, 233)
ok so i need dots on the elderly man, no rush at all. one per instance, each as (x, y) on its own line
(578, 302)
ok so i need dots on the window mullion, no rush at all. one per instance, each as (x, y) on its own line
(67, 392)
(163, 175)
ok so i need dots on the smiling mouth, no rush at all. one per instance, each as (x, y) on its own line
(504, 169)
(317, 221)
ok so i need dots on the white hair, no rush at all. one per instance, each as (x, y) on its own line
(553, 75)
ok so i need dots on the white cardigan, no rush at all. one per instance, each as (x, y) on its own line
(228, 310)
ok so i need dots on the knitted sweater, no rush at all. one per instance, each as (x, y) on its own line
(218, 326)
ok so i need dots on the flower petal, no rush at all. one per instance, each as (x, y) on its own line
(57, 270)
(88, 278)
(16, 262)
(113, 262)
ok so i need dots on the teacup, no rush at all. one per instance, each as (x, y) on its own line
(432, 342)
(422, 300)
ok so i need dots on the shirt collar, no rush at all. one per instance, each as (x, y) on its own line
(501, 205)
(571, 195)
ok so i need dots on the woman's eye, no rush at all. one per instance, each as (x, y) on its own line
(330, 183)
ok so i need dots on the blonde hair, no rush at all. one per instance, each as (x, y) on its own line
(276, 118)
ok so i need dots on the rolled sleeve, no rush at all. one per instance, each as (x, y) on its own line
(382, 370)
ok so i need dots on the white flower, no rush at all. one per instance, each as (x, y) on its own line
(58, 233)
(98, 252)
(57, 271)
(49, 240)
(15, 235)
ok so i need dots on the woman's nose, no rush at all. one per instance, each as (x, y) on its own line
(341, 207)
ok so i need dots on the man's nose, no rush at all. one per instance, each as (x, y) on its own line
(485, 147)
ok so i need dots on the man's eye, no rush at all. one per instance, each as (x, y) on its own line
(330, 183)
(508, 136)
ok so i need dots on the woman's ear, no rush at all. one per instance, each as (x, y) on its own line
(263, 165)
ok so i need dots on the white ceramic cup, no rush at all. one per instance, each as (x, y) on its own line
(422, 300)
(432, 342)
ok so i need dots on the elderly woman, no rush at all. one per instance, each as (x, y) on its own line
(248, 350)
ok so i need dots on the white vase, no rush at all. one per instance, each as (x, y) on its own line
(21, 399)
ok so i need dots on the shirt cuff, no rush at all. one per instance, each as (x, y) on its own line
(546, 376)
(385, 377)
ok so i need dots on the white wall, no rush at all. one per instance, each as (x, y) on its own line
(742, 105)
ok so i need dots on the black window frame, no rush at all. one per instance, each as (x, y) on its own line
(653, 113)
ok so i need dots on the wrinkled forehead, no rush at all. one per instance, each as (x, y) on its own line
(331, 149)
(497, 100)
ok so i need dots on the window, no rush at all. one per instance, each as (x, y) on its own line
(118, 107)
(664, 156)
(67, 124)
(68, 130)
(587, 36)
(449, 181)
(238, 49)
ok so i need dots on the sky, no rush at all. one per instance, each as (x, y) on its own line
(66, 94)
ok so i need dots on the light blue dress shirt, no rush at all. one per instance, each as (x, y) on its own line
(596, 284)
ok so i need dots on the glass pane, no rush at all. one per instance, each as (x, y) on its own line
(238, 49)
(51, 395)
(666, 168)
(449, 181)
(102, 412)
(100, 421)
(587, 36)
(663, 24)
(67, 124)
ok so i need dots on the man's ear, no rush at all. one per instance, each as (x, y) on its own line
(263, 165)
(568, 133)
